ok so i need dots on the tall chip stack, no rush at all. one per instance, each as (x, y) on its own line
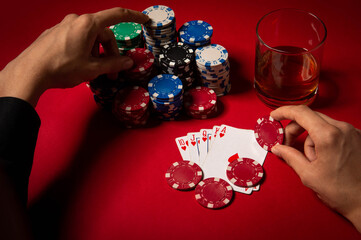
(161, 28)
(166, 93)
(196, 33)
(213, 67)
(104, 90)
(128, 35)
(178, 59)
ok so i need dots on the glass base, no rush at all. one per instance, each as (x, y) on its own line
(275, 103)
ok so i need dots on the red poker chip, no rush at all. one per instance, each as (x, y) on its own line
(213, 193)
(143, 60)
(131, 99)
(200, 99)
(244, 172)
(183, 175)
(268, 132)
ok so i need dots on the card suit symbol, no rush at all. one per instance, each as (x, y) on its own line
(199, 142)
(184, 148)
(221, 135)
(187, 142)
(193, 143)
(204, 139)
(210, 137)
(233, 157)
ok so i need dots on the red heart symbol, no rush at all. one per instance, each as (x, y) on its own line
(210, 137)
(184, 148)
(187, 142)
(193, 143)
(204, 139)
(221, 134)
(233, 157)
(199, 142)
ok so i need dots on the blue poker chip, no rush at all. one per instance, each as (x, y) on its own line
(196, 31)
(165, 87)
(160, 16)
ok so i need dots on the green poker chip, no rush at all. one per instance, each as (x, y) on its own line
(127, 31)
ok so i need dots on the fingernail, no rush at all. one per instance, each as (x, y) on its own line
(128, 63)
(274, 150)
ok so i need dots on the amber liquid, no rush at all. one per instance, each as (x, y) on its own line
(282, 78)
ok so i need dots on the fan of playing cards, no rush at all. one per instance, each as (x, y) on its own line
(227, 159)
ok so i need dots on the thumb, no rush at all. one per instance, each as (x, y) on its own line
(112, 64)
(294, 158)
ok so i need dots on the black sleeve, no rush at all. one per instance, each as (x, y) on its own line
(19, 127)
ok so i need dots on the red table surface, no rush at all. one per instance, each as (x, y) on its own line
(92, 179)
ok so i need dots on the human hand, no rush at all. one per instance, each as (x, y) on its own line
(331, 162)
(68, 54)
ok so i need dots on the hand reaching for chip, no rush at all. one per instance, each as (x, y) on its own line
(68, 54)
(331, 162)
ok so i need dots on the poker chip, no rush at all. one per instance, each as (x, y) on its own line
(183, 175)
(104, 90)
(128, 35)
(166, 94)
(213, 193)
(130, 106)
(178, 59)
(214, 68)
(244, 172)
(200, 102)
(268, 132)
(196, 33)
(160, 30)
(143, 68)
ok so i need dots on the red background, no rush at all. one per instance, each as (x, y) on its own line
(92, 179)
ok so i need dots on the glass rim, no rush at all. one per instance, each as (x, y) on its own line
(297, 10)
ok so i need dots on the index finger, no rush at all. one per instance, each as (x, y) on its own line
(116, 15)
(304, 116)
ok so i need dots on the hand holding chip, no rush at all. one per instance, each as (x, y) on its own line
(331, 162)
(67, 54)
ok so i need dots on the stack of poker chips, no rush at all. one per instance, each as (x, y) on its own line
(196, 33)
(200, 103)
(178, 59)
(104, 90)
(143, 68)
(128, 35)
(213, 67)
(166, 93)
(131, 106)
(161, 28)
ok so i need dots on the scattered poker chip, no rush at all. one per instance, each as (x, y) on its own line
(244, 172)
(183, 175)
(196, 33)
(161, 28)
(130, 106)
(213, 193)
(214, 68)
(268, 132)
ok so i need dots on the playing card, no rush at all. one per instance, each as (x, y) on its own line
(228, 142)
(182, 144)
(214, 135)
(193, 142)
(206, 134)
